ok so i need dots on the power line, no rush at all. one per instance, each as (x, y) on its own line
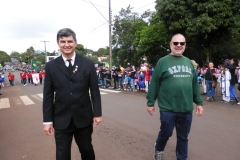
(95, 29)
(95, 4)
(98, 10)
(98, 27)
(144, 6)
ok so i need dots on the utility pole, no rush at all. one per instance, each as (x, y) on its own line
(110, 36)
(45, 50)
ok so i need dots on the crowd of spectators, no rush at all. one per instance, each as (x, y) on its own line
(226, 76)
(128, 78)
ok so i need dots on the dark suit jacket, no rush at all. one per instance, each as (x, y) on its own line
(72, 97)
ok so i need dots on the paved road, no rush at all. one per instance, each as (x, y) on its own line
(126, 133)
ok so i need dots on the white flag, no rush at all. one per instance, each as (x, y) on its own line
(35, 78)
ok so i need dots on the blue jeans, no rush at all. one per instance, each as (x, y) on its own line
(120, 79)
(182, 122)
(101, 79)
(210, 89)
(133, 83)
(232, 92)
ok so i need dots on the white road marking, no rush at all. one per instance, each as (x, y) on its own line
(40, 95)
(26, 100)
(4, 103)
(37, 97)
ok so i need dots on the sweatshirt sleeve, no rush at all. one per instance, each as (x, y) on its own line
(153, 88)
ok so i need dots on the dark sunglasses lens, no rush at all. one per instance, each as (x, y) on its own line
(176, 43)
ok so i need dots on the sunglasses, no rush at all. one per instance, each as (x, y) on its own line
(181, 43)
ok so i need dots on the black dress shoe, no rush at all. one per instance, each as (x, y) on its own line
(203, 93)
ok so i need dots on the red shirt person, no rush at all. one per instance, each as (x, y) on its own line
(11, 79)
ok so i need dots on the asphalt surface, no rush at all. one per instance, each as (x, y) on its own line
(127, 132)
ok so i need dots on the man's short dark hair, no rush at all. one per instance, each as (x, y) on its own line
(66, 32)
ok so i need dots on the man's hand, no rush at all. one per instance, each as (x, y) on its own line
(48, 129)
(199, 110)
(97, 120)
(151, 110)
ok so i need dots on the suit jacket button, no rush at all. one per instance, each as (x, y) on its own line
(70, 93)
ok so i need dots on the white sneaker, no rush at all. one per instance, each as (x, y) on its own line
(238, 103)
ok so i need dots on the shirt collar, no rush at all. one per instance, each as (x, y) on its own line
(72, 61)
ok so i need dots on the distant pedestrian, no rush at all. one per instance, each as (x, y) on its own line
(3, 77)
(232, 68)
(11, 78)
(224, 80)
(1, 82)
(24, 78)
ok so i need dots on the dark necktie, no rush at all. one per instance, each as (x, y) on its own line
(70, 66)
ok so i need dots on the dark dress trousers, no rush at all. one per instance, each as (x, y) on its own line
(66, 98)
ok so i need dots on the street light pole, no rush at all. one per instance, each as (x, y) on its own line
(45, 50)
(110, 36)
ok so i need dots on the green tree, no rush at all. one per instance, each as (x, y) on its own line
(4, 57)
(126, 24)
(203, 22)
(93, 58)
(152, 41)
(103, 51)
(40, 58)
(15, 55)
(80, 49)
(31, 53)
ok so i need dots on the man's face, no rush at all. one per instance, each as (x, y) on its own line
(231, 61)
(178, 45)
(210, 65)
(67, 45)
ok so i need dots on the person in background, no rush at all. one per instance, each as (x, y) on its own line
(1, 82)
(232, 69)
(203, 75)
(224, 80)
(29, 76)
(3, 77)
(115, 77)
(210, 77)
(40, 76)
(175, 86)
(11, 78)
(195, 65)
(24, 78)
(108, 78)
(102, 77)
(147, 75)
(120, 73)
(132, 76)
(43, 74)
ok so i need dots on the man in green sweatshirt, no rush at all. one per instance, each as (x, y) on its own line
(175, 86)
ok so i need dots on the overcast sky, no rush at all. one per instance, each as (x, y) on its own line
(25, 23)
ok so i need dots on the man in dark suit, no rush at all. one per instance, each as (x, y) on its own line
(67, 106)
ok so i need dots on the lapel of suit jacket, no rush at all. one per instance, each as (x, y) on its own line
(61, 64)
(77, 65)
